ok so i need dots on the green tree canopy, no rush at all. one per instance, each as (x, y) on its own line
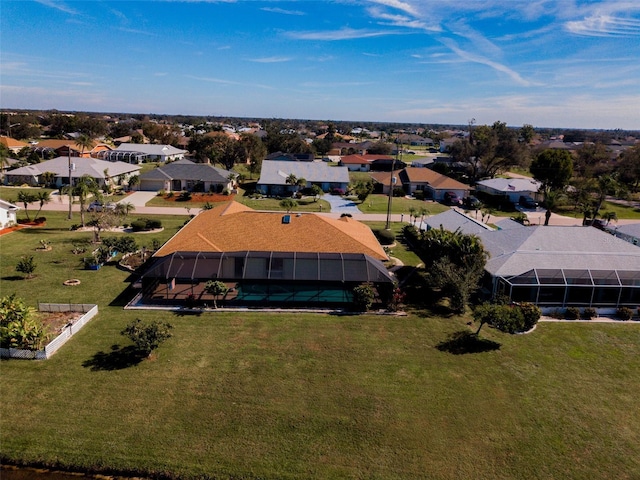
(553, 168)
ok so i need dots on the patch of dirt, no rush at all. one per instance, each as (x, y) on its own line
(54, 322)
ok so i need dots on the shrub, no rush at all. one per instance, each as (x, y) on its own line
(398, 192)
(147, 336)
(161, 193)
(363, 296)
(337, 191)
(18, 327)
(514, 318)
(385, 237)
(589, 313)
(184, 196)
(419, 195)
(139, 225)
(153, 224)
(572, 313)
(26, 265)
(170, 195)
(624, 313)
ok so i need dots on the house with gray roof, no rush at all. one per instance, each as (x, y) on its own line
(509, 189)
(453, 220)
(148, 152)
(274, 174)
(186, 175)
(629, 232)
(102, 171)
(562, 266)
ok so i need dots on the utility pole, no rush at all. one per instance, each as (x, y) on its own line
(391, 184)
(70, 182)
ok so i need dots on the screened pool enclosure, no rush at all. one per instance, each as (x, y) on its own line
(567, 287)
(265, 278)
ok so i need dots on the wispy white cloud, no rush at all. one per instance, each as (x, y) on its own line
(334, 84)
(515, 76)
(398, 5)
(271, 60)
(602, 25)
(58, 6)
(342, 34)
(160, 74)
(137, 32)
(283, 11)
(221, 81)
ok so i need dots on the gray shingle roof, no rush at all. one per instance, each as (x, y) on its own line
(188, 170)
(518, 250)
(150, 149)
(453, 220)
(82, 166)
(276, 172)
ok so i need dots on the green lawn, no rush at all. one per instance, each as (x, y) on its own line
(378, 204)
(293, 395)
(10, 194)
(400, 250)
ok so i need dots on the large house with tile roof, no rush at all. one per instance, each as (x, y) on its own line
(66, 147)
(266, 258)
(12, 144)
(370, 162)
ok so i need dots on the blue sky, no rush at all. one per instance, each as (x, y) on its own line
(549, 63)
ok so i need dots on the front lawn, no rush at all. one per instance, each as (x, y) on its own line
(378, 204)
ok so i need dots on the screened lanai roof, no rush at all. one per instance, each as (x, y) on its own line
(296, 266)
(578, 277)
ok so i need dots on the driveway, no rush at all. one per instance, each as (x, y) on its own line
(341, 205)
(139, 199)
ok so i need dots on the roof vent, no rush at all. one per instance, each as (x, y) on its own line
(286, 219)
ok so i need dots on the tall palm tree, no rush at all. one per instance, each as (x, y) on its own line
(551, 202)
(123, 209)
(84, 141)
(83, 189)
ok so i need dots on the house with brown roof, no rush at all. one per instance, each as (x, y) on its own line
(12, 144)
(266, 258)
(433, 184)
(370, 162)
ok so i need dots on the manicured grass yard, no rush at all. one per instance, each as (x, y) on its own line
(378, 204)
(292, 395)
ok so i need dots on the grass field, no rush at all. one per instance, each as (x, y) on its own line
(379, 203)
(299, 395)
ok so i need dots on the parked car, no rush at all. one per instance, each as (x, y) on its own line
(99, 207)
(471, 202)
(451, 198)
(527, 202)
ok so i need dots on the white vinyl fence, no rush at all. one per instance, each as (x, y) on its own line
(89, 311)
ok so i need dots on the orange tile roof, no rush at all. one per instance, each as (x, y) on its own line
(12, 142)
(233, 227)
(368, 158)
(435, 179)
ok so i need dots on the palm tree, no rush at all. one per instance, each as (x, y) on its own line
(26, 198)
(291, 179)
(412, 212)
(44, 198)
(551, 202)
(608, 216)
(133, 181)
(84, 187)
(84, 141)
(124, 209)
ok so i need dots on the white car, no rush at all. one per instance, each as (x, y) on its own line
(99, 207)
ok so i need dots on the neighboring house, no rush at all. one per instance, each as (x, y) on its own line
(422, 162)
(453, 220)
(510, 189)
(433, 184)
(382, 181)
(414, 140)
(8, 214)
(154, 153)
(8, 165)
(267, 259)
(562, 266)
(12, 144)
(446, 144)
(290, 157)
(187, 175)
(274, 174)
(100, 170)
(371, 162)
(629, 233)
(347, 148)
(69, 147)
